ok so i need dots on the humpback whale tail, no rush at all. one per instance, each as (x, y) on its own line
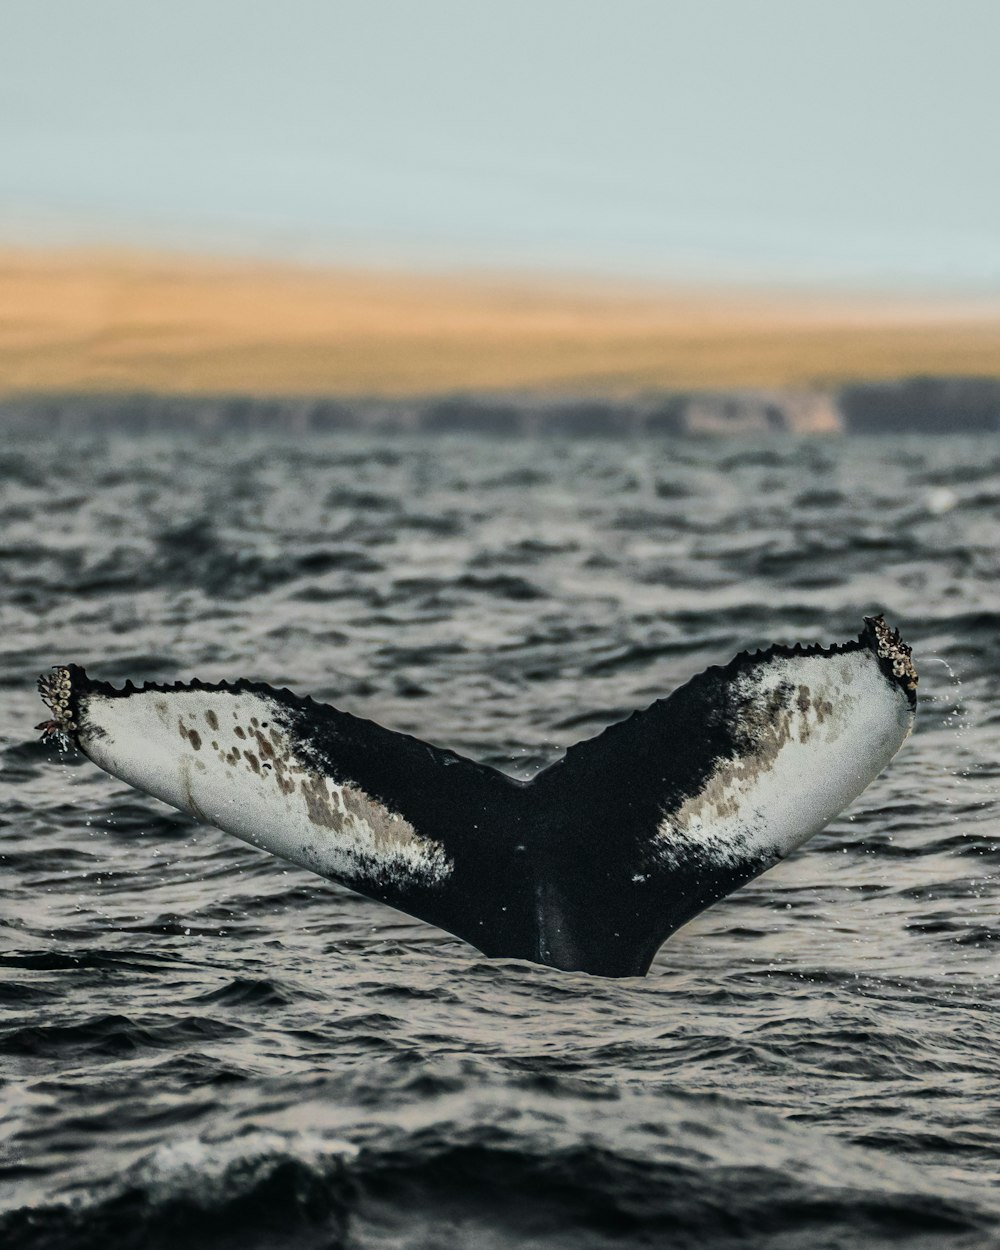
(591, 865)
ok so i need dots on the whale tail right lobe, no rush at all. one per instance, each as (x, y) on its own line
(663, 814)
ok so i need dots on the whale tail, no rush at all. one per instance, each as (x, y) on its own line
(590, 865)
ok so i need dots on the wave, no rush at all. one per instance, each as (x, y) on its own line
(509, 1173)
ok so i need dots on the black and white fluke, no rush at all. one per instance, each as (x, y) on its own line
(588, 866)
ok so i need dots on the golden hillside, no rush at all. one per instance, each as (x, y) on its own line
(107, 321)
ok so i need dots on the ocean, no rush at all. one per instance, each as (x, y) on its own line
(203, 1047)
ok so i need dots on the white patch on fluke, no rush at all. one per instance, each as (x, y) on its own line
(822, 728)
(227, 758)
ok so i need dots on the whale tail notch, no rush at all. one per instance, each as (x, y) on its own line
(590, 865)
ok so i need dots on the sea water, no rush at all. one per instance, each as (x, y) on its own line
(203, 1047)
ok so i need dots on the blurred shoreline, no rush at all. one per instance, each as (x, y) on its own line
(162, 337)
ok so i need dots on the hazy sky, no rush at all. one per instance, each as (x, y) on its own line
(794, 140)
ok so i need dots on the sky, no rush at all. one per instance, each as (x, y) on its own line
(784, 141)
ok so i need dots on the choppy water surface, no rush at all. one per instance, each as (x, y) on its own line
(203, 1047)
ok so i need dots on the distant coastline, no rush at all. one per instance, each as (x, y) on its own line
(918, 405)
(133, 339)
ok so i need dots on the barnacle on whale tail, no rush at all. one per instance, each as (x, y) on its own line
(891, 647)
(56, 689)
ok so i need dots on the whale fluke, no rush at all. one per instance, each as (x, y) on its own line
(589, 866)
